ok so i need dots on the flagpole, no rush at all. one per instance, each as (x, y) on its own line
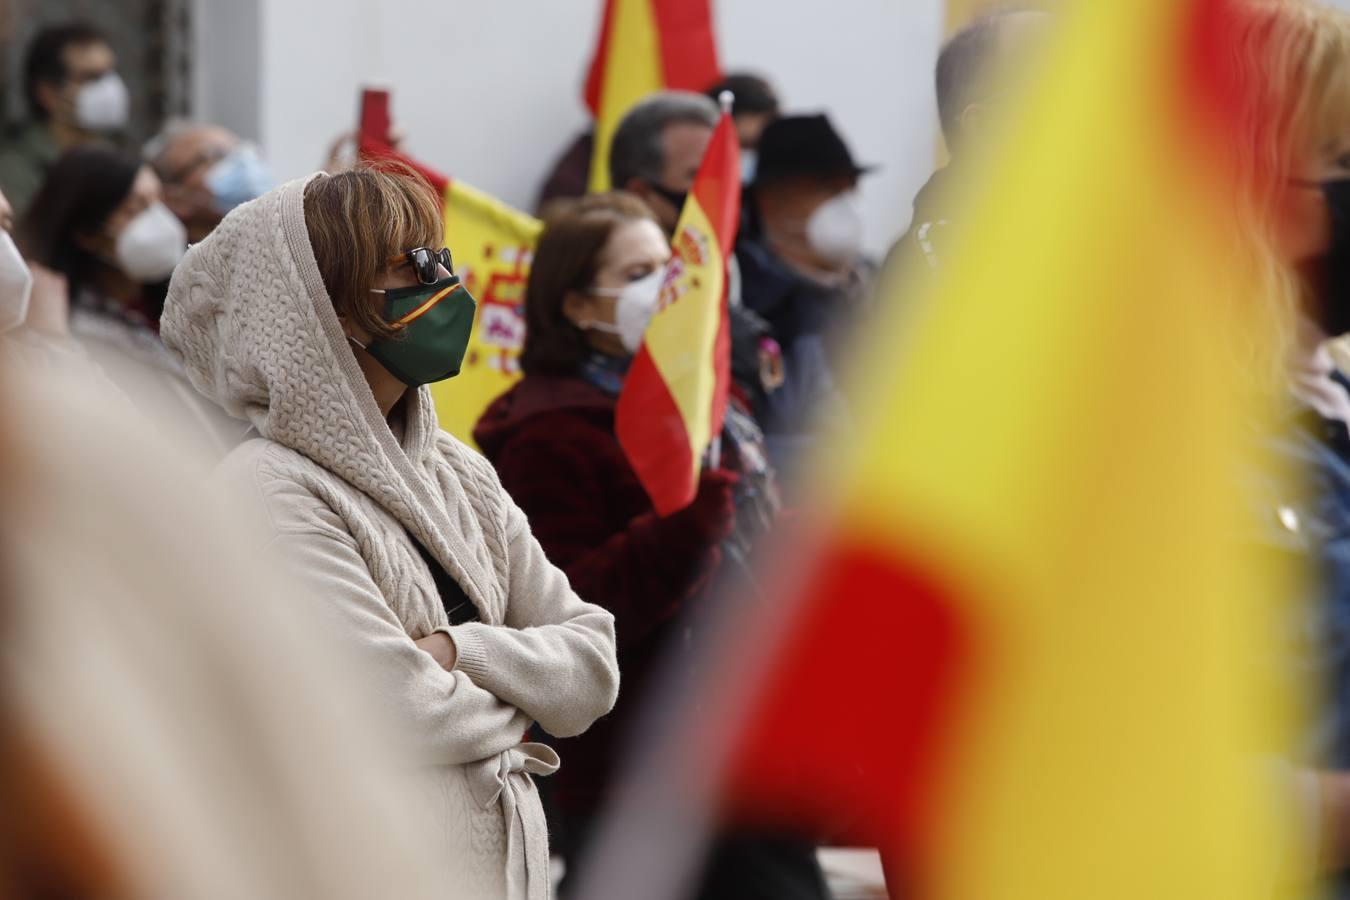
(725, 100)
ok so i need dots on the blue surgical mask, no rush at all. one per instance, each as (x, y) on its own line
(240, 176)
(749, 161)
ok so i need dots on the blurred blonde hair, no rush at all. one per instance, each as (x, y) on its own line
(1292, 98)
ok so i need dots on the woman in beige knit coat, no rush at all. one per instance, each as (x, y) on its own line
(291, 315)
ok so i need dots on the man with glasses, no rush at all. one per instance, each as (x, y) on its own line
(207, 171)
(74, 96)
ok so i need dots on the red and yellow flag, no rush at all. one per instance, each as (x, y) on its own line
(1023, 652)
(493, 246)
(1031, 655)
(675, 396)
(645, 46)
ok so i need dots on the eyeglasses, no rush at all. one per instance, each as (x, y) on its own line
(180, 175)
(426, 263)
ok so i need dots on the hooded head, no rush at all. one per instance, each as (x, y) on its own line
(260, 333)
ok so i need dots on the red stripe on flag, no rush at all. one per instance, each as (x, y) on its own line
(651, 430)
(718, 192)
(1222, 93)
(851, 723)
(718, 186)
(688, 49)
(595, 78)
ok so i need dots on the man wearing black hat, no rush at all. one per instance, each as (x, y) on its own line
(802, 268)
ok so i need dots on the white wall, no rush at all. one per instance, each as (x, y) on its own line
(490, 91)
(227, 76)
(869, 64)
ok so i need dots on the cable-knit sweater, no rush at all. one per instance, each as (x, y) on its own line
(344, 499)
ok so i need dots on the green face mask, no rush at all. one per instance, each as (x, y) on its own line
(436, 319)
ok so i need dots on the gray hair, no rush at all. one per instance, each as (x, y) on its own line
(158, 146)
(637, 149)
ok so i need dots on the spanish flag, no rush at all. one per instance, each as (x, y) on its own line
(1021, 649)
(493, 246)
(645, 46)
(675, 395)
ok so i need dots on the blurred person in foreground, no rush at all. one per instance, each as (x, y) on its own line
(74, 97)
(1293, 217)
(977, 72)
(100, 224)
(800, 253)
(319, 313)
(175, 719)
(593, 287)
(34, 310)
(206, 171)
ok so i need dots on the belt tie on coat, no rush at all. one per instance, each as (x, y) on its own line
(505, 779)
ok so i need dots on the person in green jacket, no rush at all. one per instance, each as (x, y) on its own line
(74, 96)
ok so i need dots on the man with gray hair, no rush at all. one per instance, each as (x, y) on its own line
(207, 170)
(657, 148)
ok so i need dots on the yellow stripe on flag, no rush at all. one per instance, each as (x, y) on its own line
(493, 246)
(632, 71)
(680, 339)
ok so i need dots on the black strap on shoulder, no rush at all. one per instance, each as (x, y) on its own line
(458, 607)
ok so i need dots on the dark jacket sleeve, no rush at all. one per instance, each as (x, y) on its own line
(560, 470)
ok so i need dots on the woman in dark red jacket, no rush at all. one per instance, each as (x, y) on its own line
(593, 287)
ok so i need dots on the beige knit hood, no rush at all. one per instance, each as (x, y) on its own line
(256, 332)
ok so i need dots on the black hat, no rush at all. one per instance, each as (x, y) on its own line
(804, 145)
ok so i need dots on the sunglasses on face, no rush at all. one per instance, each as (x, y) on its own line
(426, 263)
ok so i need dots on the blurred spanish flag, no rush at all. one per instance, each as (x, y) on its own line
(493, 246)
(645, 46)
(675, 395)
(1021, 650)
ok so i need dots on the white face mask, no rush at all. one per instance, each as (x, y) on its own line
(151, 244)
(835, 229)
(16, 285)
(636, 306)
(103, 105)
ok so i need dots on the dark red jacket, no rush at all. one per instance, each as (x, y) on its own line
(551, 439)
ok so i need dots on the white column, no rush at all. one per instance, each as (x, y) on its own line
(228, 73)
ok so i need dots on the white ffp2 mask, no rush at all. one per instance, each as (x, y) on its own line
(637, 302)
(16, 285)
(151, 244)
(835, 229)
(103, 104)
